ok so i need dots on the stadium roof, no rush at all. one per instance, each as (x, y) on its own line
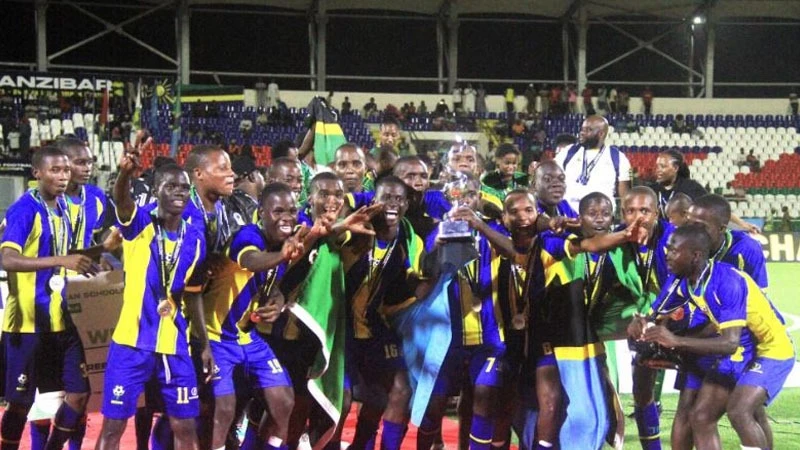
(785, 9)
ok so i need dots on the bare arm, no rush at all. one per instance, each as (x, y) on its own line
(194, 302)
(502, 244)
(14, 261)
(307, 145)
(725, 344)
(122, 189)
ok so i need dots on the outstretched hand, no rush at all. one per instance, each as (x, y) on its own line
(560, 224)
(293, 248)
(636, 232)
(358, 221)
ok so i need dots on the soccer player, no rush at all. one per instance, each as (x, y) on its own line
(641, 203)
(287, 170)
(389, 135)
(573, 269)
(477, 329)
(748, 329)
(161, 253)
(257, 258)
(677, 208)
(39, 337)
(740, 250)
(248, 184)
(549, 187)
(351, 167)
(463, 157)
(506, 178)
(378, 282)
(86, 206)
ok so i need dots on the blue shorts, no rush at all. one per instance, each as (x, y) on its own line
(128, 370)
(49, 360)
(371, 359)
(261, 366)
(767, 373)
(544, 355)
(482, 363)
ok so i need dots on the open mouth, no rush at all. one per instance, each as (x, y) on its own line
(285, 229)
(178, 202)
(391, 214)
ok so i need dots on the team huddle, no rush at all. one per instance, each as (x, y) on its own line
(225, 266)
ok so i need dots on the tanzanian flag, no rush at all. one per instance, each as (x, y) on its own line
(320, 306)
(328, 135)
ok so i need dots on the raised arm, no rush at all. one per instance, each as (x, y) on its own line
(122, 189)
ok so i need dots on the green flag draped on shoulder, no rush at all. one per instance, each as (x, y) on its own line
(320, 306)
(328, 135)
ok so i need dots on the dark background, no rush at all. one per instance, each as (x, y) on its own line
(278, 43)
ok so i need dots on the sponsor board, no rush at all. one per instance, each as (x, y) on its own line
(780, 247)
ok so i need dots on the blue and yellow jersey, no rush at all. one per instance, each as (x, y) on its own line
(215, 226)
(140, 324)
(475, 309)
(31, 307)
(512, 278)
(235, 291)
(376, 283)
(87, 215)
(743, 252)
(562, 296)
(563, 208)
(731, 298)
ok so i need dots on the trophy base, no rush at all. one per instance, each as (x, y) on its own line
(455, 254)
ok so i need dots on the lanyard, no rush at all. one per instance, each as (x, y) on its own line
(76, 229)
(586, 170)
(663, 200)
(670, 292)
(167, 263)
(58, 242)
(723, 248)
(473, 277)
(591, 278)
(647, 264)
(266, 288)
(221, 226)
(521, 284)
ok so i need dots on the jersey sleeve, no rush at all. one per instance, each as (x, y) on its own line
(196, 265)
(101, 201)
(729, 299)
(19, 229)
(555, 246)
(356, 200)
(669, 297)
(436, 204)
(624, 168)
(754, 263)
(247, 239)
(139, 220)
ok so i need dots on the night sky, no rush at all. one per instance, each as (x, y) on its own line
(385, 47)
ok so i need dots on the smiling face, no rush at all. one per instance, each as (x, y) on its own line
(81, 163)
(290, 174)
(666, 170)
(395, 203)
(172, 192)
(520, 214)
(327, 198)
(550, 183)
(278, 217)
(507, 165)
(216, 174)
(53, 175)
(597, 218)
(350, 166)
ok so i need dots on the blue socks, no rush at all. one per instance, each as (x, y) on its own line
(392, 435)
(648, 424)
(480, 433)
(251, 440)
(39, 434)
(64, 426)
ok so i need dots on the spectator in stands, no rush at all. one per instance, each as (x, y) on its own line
(518, 129)
(786, 220)
(403, 148)
(793, 103)
(555, 100)
(509, 97)
(469, 98)
(673, 176)
(423, 108)
(25, 132)
(753, 162)
(602, 98)
(458, 99)
(370, 108)
(588, 106)
(273, 94)
(480, 100)
(262, 120)
(623, 100)
(544, 99)
(346, 106)
(412, 110)
(564, 141)
(680, 125)
(530, 98)
(647, 100)
(329, 99)
(246, 128)
(572, 98)
(441, 109)
(612, 100)
(261, 93)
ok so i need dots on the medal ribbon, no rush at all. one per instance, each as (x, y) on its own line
(167, 263)
(76, 230)
(592, 278)
(60, 241)
(376, 267)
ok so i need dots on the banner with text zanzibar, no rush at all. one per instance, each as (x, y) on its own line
(780, 247)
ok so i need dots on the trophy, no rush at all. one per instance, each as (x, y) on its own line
(459, 244)
(449, 229)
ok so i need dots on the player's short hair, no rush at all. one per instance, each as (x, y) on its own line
(590, 198)
(163, 170)
(198, 156)
(696, 235)
(717, 204)
(45, 152)
(273, 189)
